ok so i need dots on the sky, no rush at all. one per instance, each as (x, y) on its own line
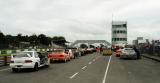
(80, 19)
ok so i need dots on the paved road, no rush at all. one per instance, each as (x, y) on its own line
(92, 68)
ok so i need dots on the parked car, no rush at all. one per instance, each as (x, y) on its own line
(70, 52)
(28, 59)
(75, 51)
(128, 53)
(59, 55)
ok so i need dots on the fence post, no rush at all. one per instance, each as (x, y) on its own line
(5, 60)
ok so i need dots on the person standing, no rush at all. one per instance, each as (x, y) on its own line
(137, 52)
(101, 50)
(98, 49)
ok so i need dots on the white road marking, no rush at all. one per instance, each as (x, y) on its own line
(90, 63)
(5, 69)
(74, 75)
(105, 75)
(84, 67)
(129, 72)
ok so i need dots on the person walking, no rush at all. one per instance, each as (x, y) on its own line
(137, 52)
(101, 50)
(98, 49)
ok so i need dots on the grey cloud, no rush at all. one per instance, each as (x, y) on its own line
(79, 19)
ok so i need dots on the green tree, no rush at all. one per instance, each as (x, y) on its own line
(59, 40)
(83, 46)
(91, 46)
(3, 43)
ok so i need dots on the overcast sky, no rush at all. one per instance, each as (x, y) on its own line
(80, 19)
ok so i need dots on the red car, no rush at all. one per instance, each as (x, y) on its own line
(59, 55)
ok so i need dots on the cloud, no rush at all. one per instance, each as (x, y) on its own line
(79, 19)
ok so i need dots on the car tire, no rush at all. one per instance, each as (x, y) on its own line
(36, 67)
(14, 70)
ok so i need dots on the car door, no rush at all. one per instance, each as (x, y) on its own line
(37, 59)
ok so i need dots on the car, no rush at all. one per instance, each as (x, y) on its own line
(28, 59)
(76, 52)
(70, 52)
(128, 53)
(107, 52)
(59, 55)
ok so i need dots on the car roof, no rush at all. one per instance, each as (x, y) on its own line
(128, 48)
(29, 51)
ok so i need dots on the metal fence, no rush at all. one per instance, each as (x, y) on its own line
(151, 50)
(5, 60)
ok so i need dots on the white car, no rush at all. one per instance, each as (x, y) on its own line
(128, 53)
(28, 59)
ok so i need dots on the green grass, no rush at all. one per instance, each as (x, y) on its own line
(5, 54)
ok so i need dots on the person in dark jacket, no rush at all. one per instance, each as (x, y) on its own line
(137, 52)
(101, 50)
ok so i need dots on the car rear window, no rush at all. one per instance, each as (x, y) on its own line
(58, 51)
(19, 55)
(30, 53)
(129, 49)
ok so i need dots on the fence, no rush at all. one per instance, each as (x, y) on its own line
(9, 52)
(151, 50)
(5, 60)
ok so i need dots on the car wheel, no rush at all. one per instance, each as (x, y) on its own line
(14, 70)
(36, 67)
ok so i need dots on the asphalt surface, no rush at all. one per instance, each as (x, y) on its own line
(92, 68)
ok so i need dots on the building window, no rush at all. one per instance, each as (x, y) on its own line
(124, 25)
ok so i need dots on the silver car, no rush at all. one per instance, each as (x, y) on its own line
(128, 53)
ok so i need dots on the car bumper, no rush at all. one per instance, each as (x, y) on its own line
(21, 66)
(128, 56)
(57, 59)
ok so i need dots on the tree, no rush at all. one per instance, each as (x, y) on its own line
(3, 43)
(83, 46)
(44, 40)
(33, 39)
(59, 40)
(91, 46)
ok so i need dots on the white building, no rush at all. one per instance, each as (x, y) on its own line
(119, 33)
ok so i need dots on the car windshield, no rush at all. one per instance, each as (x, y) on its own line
(20, 55)
(58, 51)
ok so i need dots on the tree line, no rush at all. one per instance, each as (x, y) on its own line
(9, 41)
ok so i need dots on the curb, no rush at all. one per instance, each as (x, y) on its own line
(151, 58)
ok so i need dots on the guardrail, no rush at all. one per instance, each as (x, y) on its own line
(5, 60)
(9, 52)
